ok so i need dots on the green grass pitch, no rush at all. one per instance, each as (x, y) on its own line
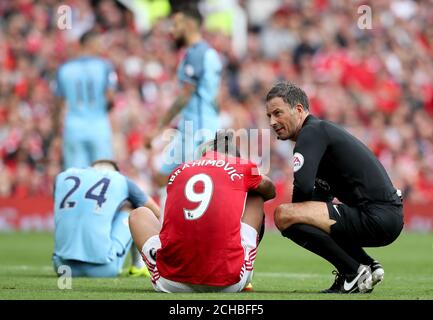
(282, 271)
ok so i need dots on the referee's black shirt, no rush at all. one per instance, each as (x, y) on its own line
(328, 160)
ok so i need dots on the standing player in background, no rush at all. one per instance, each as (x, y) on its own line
(329, 162)
(91, 209)
(86, 85)
(206, 244)
(199, 74)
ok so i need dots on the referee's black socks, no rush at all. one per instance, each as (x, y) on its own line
(321, 243)
(354, 250)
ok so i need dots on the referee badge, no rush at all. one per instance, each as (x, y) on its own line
(298, 161)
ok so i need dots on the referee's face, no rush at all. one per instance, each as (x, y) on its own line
(285, 121)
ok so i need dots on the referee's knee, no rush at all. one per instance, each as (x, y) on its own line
(284, 216)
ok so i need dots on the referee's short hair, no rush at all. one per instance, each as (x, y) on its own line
(290, 93)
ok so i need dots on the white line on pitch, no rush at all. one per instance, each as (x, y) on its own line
(289, 275)
(25, 267)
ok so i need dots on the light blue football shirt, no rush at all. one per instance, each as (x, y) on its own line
(201, 66)
(83, 83)
(85, 204)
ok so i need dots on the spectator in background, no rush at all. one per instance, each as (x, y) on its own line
(83, 20)
(147, 12)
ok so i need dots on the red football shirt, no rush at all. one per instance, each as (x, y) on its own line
(200, 236)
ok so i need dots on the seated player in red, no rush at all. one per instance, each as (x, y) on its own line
(212, 220)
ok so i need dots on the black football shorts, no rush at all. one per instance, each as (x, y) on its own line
(371, 225)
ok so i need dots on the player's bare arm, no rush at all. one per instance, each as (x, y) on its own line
(109, 95)
(266, 188)
(59, 109)
(177, 106)
(153, 206)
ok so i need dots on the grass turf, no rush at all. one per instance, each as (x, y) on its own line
(282, 271)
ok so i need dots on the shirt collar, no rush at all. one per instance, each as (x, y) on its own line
(309, 118)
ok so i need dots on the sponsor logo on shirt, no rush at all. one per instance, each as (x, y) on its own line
(189, 70)
(298, 161)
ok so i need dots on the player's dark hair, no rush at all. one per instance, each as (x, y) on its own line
(290, 93)
(224, 142)
(87, 37)
(101, 161)
(191, 11)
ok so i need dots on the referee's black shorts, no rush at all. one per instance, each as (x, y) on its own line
(372, 225)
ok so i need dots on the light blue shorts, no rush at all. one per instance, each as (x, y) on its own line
(81, 154)
(93, 270)
(121, 243)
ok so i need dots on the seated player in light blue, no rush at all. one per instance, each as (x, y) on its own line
(91, 209)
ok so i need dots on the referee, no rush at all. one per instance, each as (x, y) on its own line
(329, 163)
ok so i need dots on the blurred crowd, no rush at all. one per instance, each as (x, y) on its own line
(377, 82)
